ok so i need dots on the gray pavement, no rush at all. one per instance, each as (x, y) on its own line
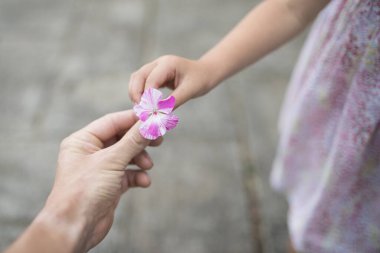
(65, 63)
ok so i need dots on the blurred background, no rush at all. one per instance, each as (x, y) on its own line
(66, 63)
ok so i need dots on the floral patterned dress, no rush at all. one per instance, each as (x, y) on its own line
(328, 161)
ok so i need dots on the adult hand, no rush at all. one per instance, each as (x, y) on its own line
(91, 176)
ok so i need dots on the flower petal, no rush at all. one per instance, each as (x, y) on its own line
(170, 121)
(141, 112)
(150, 99)
(166, 106)
(152, 128)
(155, 114)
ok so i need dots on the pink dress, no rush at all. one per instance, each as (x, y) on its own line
(328, 161)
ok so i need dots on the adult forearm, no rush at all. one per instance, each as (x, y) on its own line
(52, 231)
(265, 28)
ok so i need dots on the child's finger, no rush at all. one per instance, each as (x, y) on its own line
(137, 81)
(161, 74)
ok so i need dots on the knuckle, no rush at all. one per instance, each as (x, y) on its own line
(108, 117)
(142, 68)
(136, 141)
(133, 75)
(169, 59)
(135, 82)
(65, 143)
(115, 159)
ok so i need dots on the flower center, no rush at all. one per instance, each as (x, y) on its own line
(155, 112)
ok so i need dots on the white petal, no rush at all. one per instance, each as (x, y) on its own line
(152, 128)
(150, 99)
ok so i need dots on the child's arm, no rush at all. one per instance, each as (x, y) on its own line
(265, 28)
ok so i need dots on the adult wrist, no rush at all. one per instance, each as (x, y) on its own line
(65, 224)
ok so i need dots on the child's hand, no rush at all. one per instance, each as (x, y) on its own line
(188, 79)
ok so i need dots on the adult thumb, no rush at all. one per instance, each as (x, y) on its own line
(130, 145)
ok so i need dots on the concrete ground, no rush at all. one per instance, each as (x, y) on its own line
(65, 63)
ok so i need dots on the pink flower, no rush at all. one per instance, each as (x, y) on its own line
(156, 114)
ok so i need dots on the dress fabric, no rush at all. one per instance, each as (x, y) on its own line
(328, 158)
